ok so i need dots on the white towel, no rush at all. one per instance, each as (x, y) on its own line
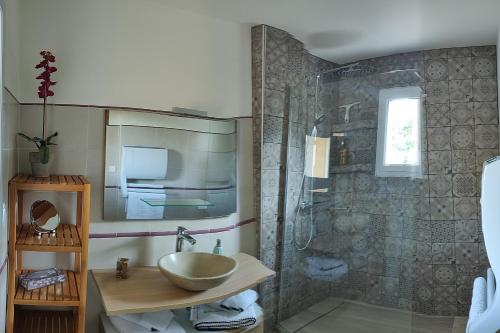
(478, 302)
(159, 320)
(209, 319)
(259, 314)
(239, 302)
(125, 326)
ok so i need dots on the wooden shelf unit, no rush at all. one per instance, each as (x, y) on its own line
(69, 238)
(44, 321)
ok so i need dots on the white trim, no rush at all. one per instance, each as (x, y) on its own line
(382, 170)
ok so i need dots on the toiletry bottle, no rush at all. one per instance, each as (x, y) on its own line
(218, 248)
(343, 153)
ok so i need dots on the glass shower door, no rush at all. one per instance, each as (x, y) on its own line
(352, 240)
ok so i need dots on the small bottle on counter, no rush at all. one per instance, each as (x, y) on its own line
(218, 248)
(343, 153)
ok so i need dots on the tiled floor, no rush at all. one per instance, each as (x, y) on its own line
(337, 315)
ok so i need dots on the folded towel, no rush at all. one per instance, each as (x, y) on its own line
(259, 315)
(325, 269)
(237, 303)
(158, 321)
(332, 275)
(209, 319)
(324, 263)
(125, 326)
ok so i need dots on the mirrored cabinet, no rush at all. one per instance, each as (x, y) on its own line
(162, 166)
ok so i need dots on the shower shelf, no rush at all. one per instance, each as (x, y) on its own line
(177, 202)
(355, 125)
(351, 168)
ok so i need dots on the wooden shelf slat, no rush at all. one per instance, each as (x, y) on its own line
(30, 321)
(65, 239)
(60, 294)
(60, 183)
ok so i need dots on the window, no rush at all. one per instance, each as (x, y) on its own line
(398, 136)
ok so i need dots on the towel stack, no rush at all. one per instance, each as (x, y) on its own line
(239, 311)
(161, 321)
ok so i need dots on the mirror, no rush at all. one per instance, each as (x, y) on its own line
(162, 166)
(44, 217)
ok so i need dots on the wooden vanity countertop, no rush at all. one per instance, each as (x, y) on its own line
(147, 290)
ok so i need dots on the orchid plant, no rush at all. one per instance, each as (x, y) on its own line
(44, 91)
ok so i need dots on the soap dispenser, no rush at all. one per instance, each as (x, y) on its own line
(218, 248)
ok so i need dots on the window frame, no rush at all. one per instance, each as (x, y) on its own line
(397, 170)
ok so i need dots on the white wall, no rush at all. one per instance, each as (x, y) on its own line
(135, 54)
(9, 116)
(138, 54)
(10, 122)
(12, 46)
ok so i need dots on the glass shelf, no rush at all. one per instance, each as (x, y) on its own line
(351, 168)
(319, 190)
(177, 202)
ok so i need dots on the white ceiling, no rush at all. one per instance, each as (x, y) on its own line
(348, 30)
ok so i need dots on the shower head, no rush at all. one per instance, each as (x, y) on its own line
(355, 70)
(414, 70)
(317, 121)
(351, 70)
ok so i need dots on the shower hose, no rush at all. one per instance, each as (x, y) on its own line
(302, 205)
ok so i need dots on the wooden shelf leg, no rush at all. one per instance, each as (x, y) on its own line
(20, 207)
(12, 258)
(85, 220)
(79, 212)
(20, 216)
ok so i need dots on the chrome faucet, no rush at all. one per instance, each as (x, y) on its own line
(183, 234)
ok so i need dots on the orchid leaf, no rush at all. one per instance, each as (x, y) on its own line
(27, 137)
(50, 137)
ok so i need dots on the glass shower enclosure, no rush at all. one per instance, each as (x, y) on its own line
(354, 236)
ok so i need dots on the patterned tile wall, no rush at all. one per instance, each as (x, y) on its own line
(423, 244)
(282, 105)
(408, 243)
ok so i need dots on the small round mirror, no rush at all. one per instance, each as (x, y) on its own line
(44, 216)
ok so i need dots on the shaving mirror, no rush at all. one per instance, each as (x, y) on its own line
(44, 217)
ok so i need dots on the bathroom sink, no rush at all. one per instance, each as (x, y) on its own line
(196, 270)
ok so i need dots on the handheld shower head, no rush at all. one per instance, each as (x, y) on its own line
(319, 119)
